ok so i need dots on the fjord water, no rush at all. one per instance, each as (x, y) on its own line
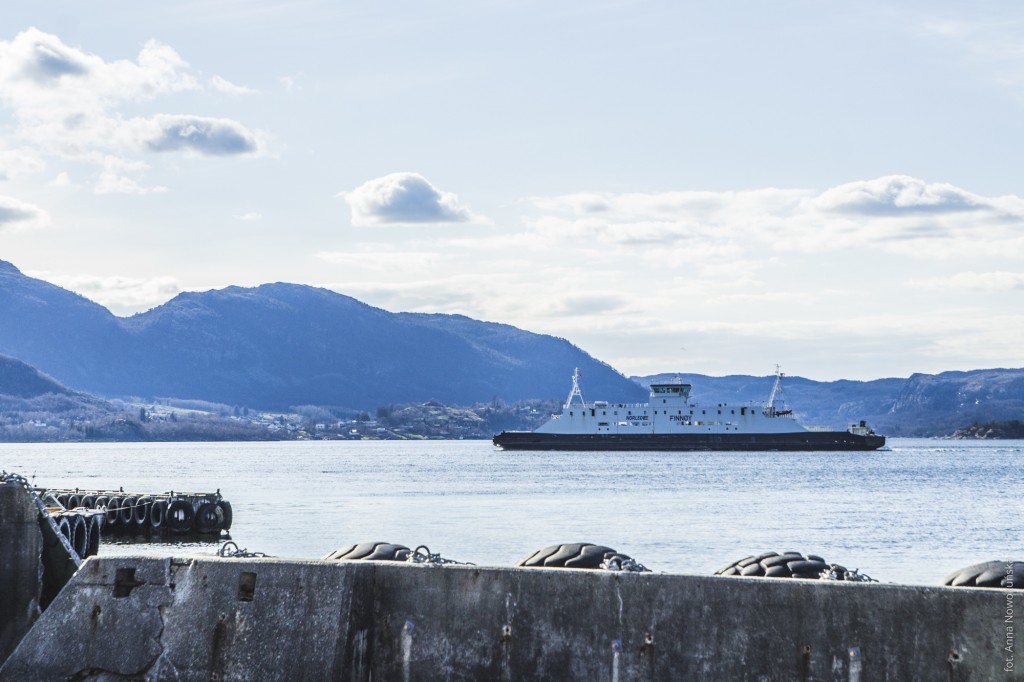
(908, 514)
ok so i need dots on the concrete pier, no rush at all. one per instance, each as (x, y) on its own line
(21, 564)
(245, 619)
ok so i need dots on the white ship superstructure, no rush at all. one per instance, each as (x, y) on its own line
(669, 410)
(672, 420)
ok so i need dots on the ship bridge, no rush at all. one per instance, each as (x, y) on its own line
(670, 394)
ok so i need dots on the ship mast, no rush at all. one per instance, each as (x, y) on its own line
(575, 390)
(776, 395)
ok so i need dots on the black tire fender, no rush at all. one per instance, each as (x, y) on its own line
(114, 512)
(158, 515)
(128, 511)
(225, 508)
(208, 517)
(180, 515)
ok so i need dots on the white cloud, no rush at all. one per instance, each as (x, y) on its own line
(22, 161)
(122, 295)
(972, 281)
(229, 88)
(208, 136)
(112, 183)
(18, 214)
(993, 43)
(404, 198)
(896, 194)
(385, 260)
(895, 213)
(63, 179)
(290, 83)
(73, 104)
(250, 216)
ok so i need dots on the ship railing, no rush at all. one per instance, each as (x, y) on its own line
(820, 429)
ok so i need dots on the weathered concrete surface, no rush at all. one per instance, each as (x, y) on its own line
(21, 568)
(245, 619)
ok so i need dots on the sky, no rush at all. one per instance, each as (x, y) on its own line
(672, 186)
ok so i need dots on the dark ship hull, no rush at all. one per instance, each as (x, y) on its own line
(805, 441)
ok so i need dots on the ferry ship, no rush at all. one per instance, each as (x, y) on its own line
(670, 420)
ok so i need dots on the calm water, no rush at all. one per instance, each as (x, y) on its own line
(910, 514)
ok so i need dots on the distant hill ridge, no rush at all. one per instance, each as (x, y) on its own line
(278, 345)
(23, 381)
(921, 405)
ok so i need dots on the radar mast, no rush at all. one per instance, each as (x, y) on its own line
(776, 396)
(575, 390)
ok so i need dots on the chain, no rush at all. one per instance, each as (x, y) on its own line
(422, 555)
(837, 572)
(620, 562)
(226, 551)
(16, 478)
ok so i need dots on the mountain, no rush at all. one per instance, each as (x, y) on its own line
(943, 403)
(65, 335)
(19, 380)
(1013, 428)
(279, 345)
(34, 407)
(921, 405)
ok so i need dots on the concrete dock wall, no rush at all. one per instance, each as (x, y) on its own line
(21, 564)
(246, 619)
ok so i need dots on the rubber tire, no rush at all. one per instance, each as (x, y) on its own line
(158, 515)
(225, 508)
(781, 559)
(114, 513)
(753, 570)
(571, 555)
(89, 501)
(208, 518)
(140, 515)
(95, 534)
(370, 551)
(74, 501)
(987, 574)
(64, 526)
(80, 536)
(180, 515)
(807, 566)
(785, 565)
(63, 499)
(128, 512)
(538, 557)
